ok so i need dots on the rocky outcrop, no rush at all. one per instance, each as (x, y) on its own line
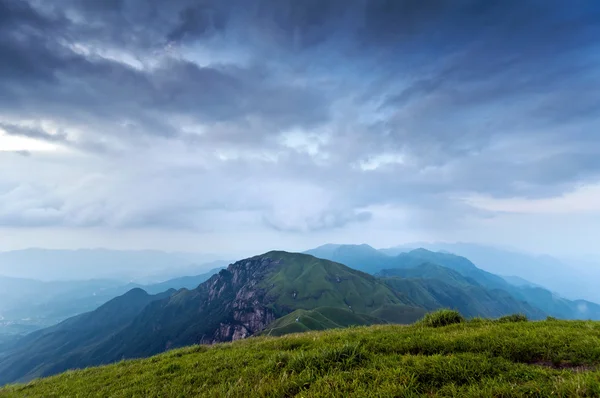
(241, 300)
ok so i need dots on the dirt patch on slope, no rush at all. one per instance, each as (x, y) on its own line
(564, 366)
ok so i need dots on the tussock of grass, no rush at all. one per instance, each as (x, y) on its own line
(441, 318)
(513, 318)
(476, 358)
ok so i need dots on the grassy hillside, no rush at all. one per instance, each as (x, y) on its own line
(318, 319)
(307, 282)
(370, 260)
(473, 359)
(430, 271)
(236, 303)
(432, 286)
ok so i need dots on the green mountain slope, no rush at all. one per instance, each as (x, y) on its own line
(432, 286)
(544, 301)
(457, 263)
(321, 318)
(244, 299)
(473, 359)
(61, 347)
(308, 282)
(236, 303)
(430, 271)
(44, 304)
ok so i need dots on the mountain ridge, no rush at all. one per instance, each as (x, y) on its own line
(235, 303)
(541, 298)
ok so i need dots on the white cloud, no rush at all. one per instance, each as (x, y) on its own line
(585, 199)
(10, 143)
(381, 160)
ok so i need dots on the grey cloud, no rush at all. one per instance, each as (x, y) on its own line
(197, 20)
(61, 138)
(34, 132)
(106, 91)
(317, 222)
(443, 83)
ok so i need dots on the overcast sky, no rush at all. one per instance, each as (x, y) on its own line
(245, 125)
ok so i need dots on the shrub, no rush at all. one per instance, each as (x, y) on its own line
(441, 318)
(478, 320)
(551, 319)
(513, 318)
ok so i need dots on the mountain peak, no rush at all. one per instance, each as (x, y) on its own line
(135, 292)
(421, 250)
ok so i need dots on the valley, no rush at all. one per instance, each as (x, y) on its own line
(30, 304)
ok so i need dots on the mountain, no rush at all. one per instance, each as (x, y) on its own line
(432, 286)
(36, 304)
(361, 257)
(459, 264)
(321, 318)
(62, 346)
(566, 277)
(14, 290)
(246, 298)
(184, 282)
(28, 304)
(426, 270)
(558, 306)
(242, 300)
(519, 282)
(544, 300)
(182, 272)
(370, 260)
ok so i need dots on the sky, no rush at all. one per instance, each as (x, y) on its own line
(248, 125)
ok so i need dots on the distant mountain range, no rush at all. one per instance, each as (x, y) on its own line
(371, 260)
(278, 293)
(568, 277)
(28, 304)
(122, 265)
(433, 286)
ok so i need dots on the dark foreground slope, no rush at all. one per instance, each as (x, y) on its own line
(476, 359)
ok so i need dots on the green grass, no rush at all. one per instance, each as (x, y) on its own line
(318, 319)
(513, 318)
(478, 358)
(441, 318)
(306, 282)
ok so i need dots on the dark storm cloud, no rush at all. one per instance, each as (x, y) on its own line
(489, 97)
(45, 74)
(33, 132)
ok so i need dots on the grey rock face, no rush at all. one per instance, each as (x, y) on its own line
(237, 291)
